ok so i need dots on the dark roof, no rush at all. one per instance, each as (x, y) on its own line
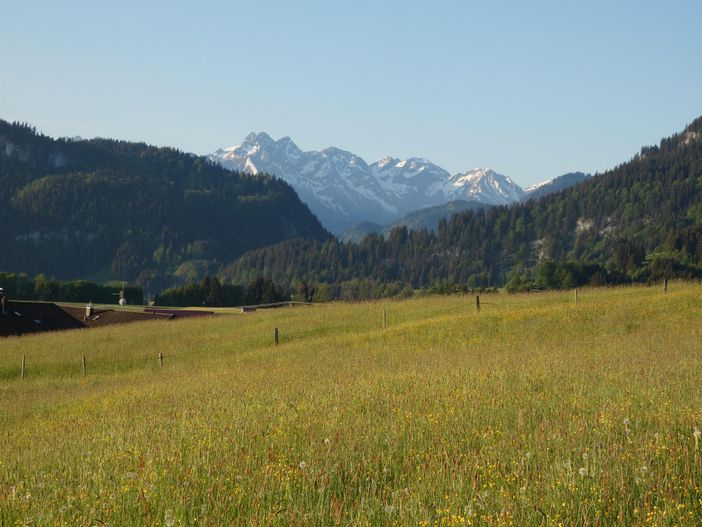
(33, 317)
(106, 317)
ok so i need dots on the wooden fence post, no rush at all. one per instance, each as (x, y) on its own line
(83, 365)
(665, 285)
(385, 318)
(160, 359)
(477, 303)
(276, 336)
(576, 296)
(24, 359)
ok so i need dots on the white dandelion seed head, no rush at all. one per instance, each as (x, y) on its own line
(582, 471)
(626, 421)
(303, 465)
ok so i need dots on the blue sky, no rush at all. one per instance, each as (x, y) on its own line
(530, 89)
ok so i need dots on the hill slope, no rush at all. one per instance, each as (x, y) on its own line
(428, 218)
(75, 208)
(554, 185)
(641, 220)
(532, 408)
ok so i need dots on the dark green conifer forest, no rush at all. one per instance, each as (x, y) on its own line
(104, 209)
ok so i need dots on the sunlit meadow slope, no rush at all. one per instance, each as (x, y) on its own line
(535, 411)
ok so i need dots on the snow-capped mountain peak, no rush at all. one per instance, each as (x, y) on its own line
(343, 190)
(484, 185)
(337, 185)
(387, 160)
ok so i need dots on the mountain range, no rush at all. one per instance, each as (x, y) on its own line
(342, 189)
(638, 222)
(104, 209)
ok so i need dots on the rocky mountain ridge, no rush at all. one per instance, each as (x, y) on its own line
(342, 189)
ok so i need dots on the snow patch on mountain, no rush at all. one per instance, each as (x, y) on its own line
(554, 185)
(484, 185)
(537, 186)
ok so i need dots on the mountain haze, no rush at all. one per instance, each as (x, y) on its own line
(428, 218)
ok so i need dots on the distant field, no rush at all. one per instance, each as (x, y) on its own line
(220, 310)
(535, 411)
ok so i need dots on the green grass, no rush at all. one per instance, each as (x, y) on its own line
(534, 411)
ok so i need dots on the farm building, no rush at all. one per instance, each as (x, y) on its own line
(19, 318)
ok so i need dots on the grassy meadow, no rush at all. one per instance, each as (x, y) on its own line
(535, 411)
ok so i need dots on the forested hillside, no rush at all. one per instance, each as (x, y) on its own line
(113, 209)
(638, 222)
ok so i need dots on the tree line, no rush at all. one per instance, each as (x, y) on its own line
(18, 286)
(210, 291)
